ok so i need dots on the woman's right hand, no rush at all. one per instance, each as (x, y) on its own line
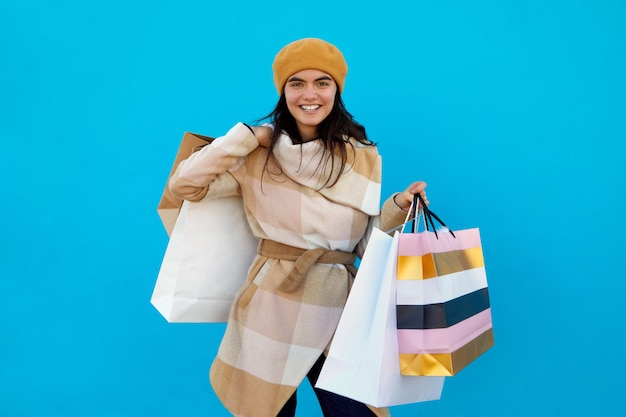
(263, 135)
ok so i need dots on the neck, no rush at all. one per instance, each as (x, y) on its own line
(308, 133)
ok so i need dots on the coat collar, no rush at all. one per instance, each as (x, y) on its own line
(310, 165)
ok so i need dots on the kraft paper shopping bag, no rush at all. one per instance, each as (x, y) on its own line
(170, 205)
(209, 252)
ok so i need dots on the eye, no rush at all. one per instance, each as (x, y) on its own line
(323, 83)
(295, 84)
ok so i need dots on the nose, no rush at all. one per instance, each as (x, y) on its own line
(309, 92)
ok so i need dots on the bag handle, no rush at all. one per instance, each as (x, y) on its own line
(429, 215)
(428, 221)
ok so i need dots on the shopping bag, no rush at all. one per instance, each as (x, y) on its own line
(362, 361)
(209, 252)
(443, 309)
(206, 261)
(170, 205)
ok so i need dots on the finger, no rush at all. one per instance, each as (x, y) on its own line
(417, 187)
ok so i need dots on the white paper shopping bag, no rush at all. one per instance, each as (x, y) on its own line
(362, 363)
(206, 261)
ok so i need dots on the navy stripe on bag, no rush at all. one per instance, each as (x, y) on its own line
(443, 315)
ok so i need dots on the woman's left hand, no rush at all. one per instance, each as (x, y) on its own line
(405, 198)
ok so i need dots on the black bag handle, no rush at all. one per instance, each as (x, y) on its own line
(429, 215)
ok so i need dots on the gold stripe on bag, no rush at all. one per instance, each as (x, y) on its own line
(432, 265)
(445, 364)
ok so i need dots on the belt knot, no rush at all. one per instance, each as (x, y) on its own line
(303, 260)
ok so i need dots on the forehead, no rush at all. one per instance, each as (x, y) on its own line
(310, 74)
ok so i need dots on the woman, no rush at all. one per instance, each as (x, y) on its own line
(311, 192)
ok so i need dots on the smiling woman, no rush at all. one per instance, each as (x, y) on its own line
(310, 185)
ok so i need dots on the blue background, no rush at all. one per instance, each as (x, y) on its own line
(512, 111)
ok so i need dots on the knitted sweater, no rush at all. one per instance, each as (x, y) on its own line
(274, 337)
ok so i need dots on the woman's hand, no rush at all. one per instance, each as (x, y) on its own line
(405, 198)
(263, 135)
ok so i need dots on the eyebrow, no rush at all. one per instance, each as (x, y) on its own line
(323, 77)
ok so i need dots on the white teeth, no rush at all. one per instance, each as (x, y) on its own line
(310, 108)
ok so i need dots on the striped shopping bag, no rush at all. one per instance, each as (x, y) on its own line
(442, 301)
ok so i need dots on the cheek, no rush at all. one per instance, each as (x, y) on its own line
(291, 100)
(290, 94)
(329, 97)
(330, 102)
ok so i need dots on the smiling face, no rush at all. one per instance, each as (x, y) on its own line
(310, 96)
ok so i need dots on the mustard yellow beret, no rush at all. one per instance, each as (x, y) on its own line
(309, 53)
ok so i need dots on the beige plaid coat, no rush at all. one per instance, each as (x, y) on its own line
(274, 335)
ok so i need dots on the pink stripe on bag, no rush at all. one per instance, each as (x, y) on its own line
(418, 244)
(444, 340)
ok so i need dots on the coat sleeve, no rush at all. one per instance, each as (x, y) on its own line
(390, 216)
(192, 178)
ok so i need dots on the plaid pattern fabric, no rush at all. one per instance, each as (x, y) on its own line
(274, 336)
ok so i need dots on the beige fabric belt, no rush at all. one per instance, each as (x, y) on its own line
(303, 259)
